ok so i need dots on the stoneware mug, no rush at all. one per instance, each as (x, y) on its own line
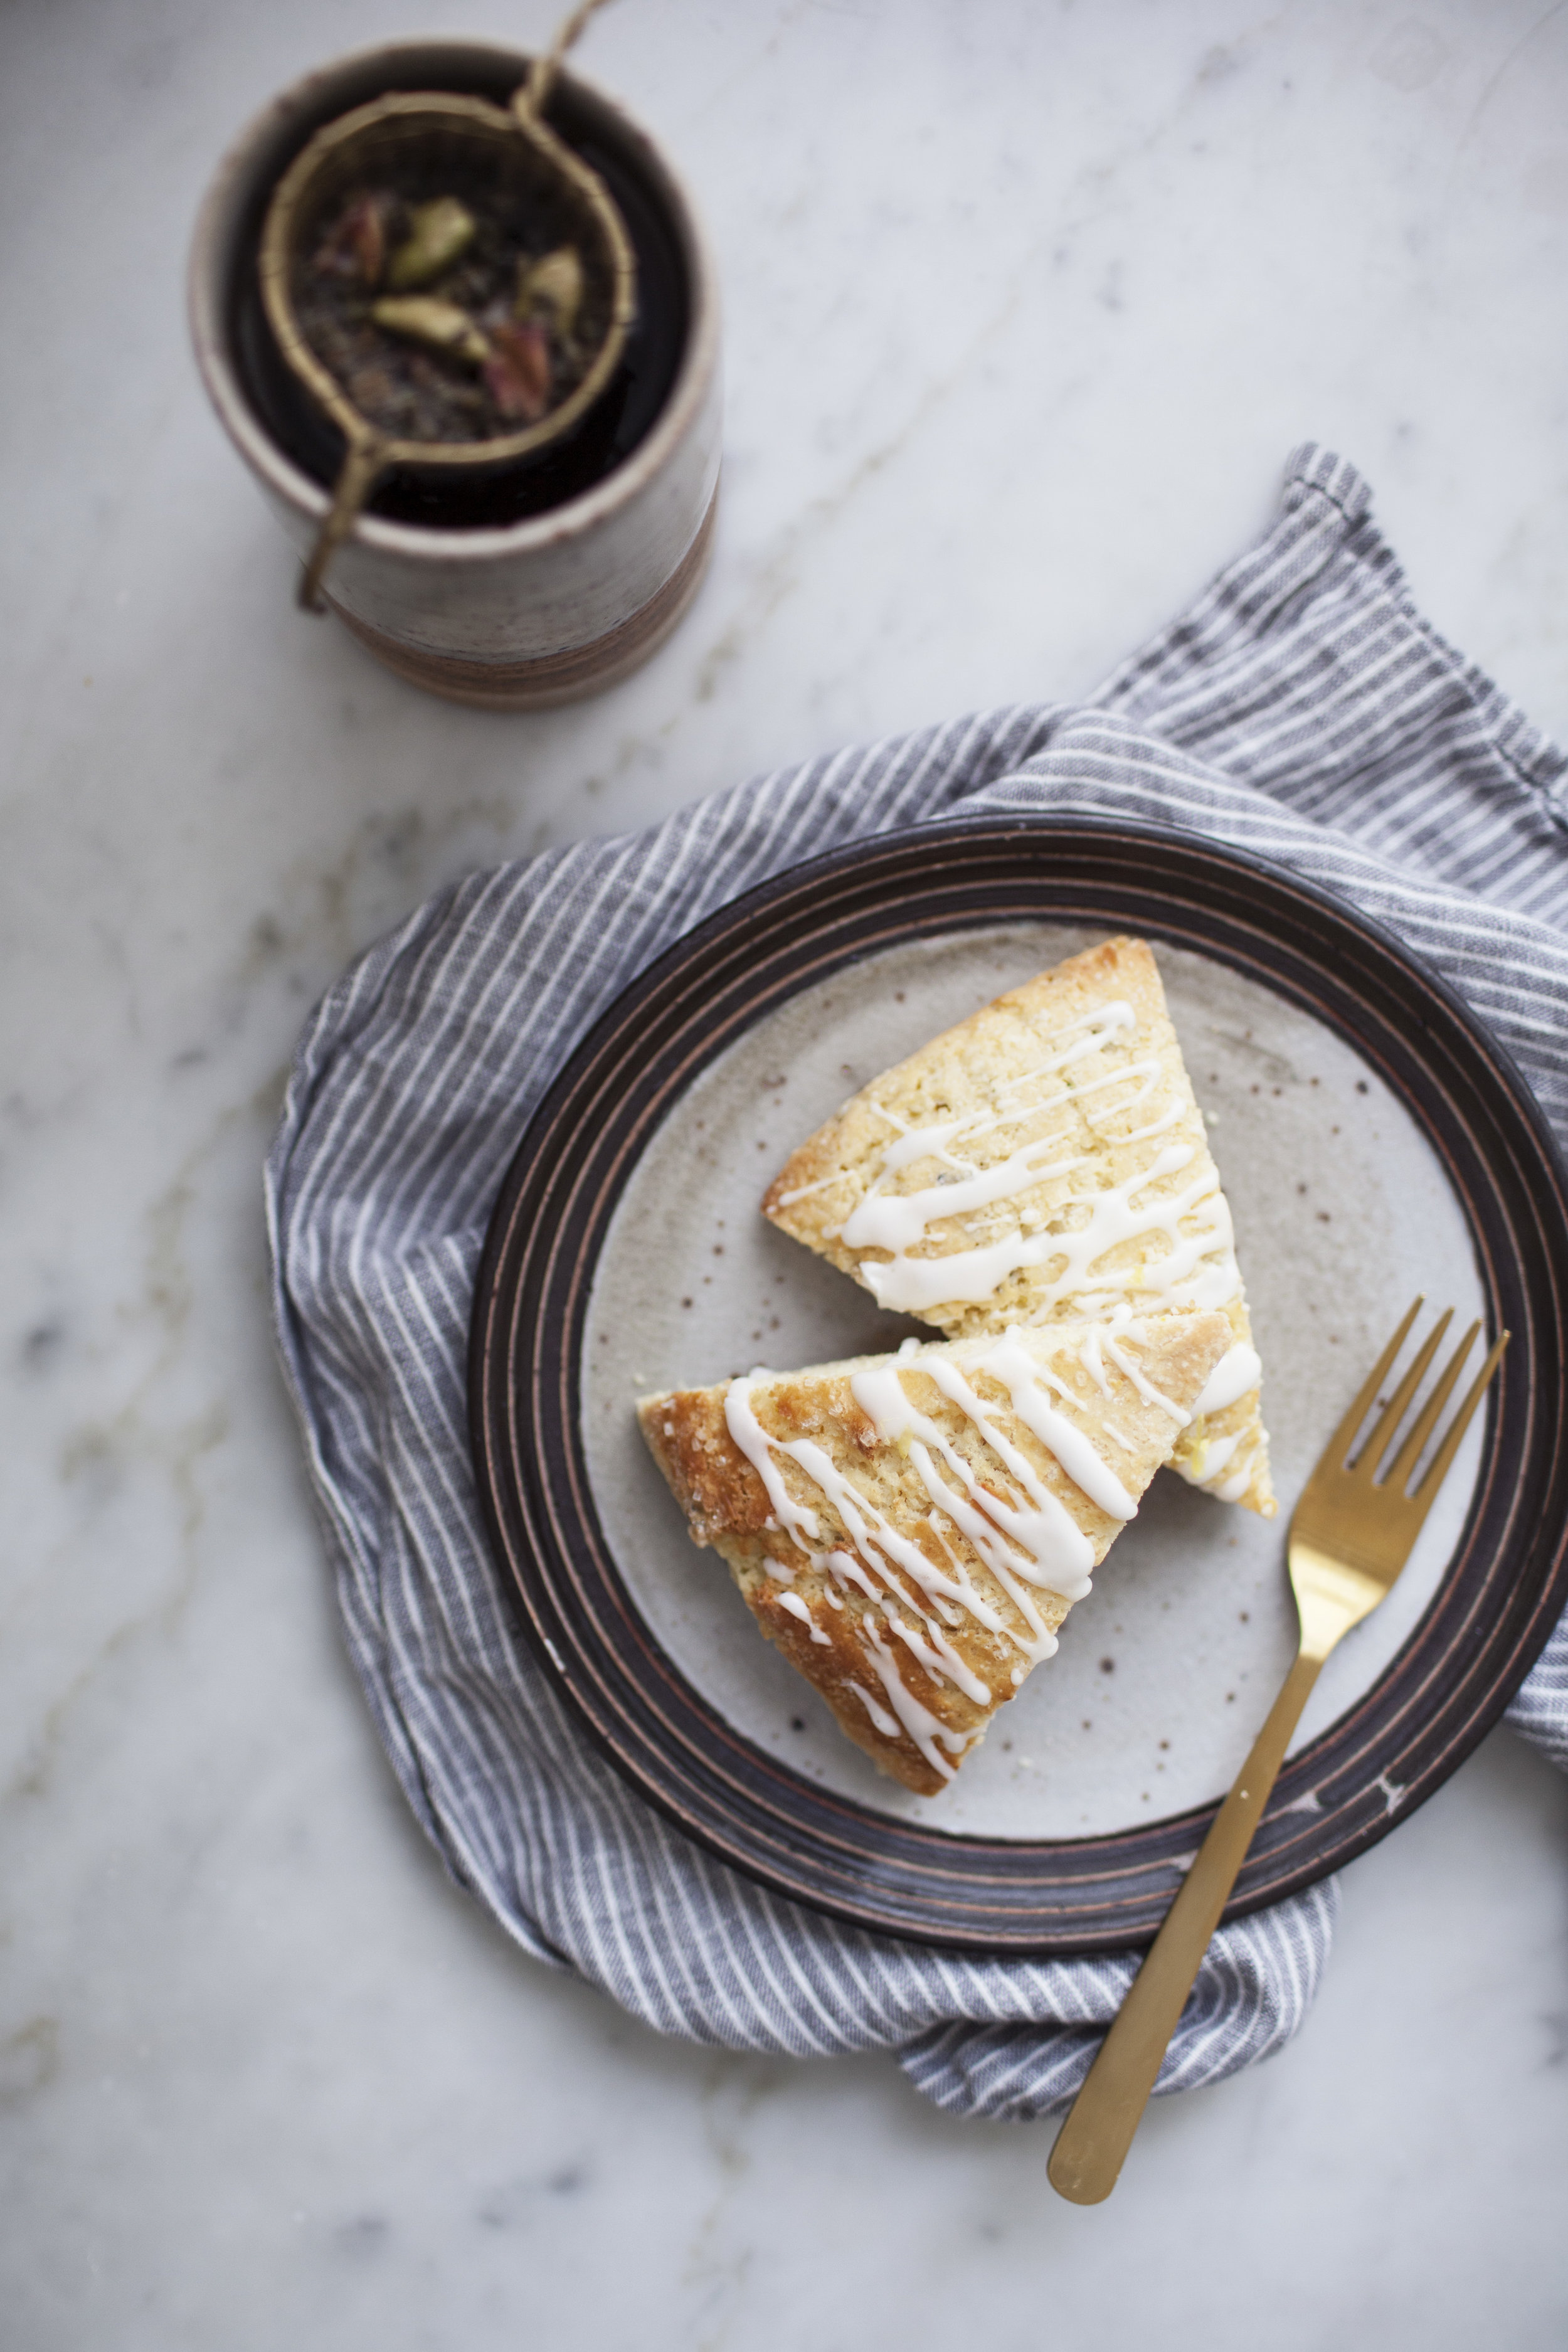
(514, 613)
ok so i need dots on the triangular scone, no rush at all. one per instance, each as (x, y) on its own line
(1046, 1158)
(912, 1529)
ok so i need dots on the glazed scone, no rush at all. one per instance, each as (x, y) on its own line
(1046, 1158)
(912, 1529)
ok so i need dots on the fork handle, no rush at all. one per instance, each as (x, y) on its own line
(1093, 2141)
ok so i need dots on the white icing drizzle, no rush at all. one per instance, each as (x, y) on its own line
(1048, 1549)
(1145, 1386)
(752, 1440)
(779, 1570)
(797, 1608)
(848, 1570)
(1237, 1485)
(1239, 1370)
(1027, 1538)
(939, 1658)
(1005, 1566)
(1040, 1644)
(980, 1608)
(916, 1720)
(1010, 1363)
(888, 1725)
(918, 1143)
(805, 1192)
(1215, 1454)
(1182, 1276)
(1161, 1126)
(1196, 1269)
(892, 1221)
(874, 1537)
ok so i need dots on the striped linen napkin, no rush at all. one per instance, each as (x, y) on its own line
(1302, 710)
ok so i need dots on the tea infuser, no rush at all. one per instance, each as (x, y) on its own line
(422, 140)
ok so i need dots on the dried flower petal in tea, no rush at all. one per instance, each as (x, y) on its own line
(355, 245)
(518, 371)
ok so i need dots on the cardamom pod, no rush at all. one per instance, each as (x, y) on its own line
(440, 234)
(441, 326)
(554, 282)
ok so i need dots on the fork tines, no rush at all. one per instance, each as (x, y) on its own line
(1372, 1454)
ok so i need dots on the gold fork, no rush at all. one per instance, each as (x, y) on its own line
(1350, 1536)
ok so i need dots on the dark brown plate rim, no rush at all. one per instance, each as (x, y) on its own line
(1503, 1589)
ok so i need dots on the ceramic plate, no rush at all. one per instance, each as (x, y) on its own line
(1373, 1143)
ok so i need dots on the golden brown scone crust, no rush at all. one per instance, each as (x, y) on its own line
(844, 1646)
(991, 1062)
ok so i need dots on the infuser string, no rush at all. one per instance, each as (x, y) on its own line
(365, 460)
(546, 68)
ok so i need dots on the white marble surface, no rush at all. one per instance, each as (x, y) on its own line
(1025, 305)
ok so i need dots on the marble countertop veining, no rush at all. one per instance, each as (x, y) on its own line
(1026, 304)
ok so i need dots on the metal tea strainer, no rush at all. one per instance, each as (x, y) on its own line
(419, 143)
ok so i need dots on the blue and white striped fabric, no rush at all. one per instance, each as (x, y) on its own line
(1302, 709)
